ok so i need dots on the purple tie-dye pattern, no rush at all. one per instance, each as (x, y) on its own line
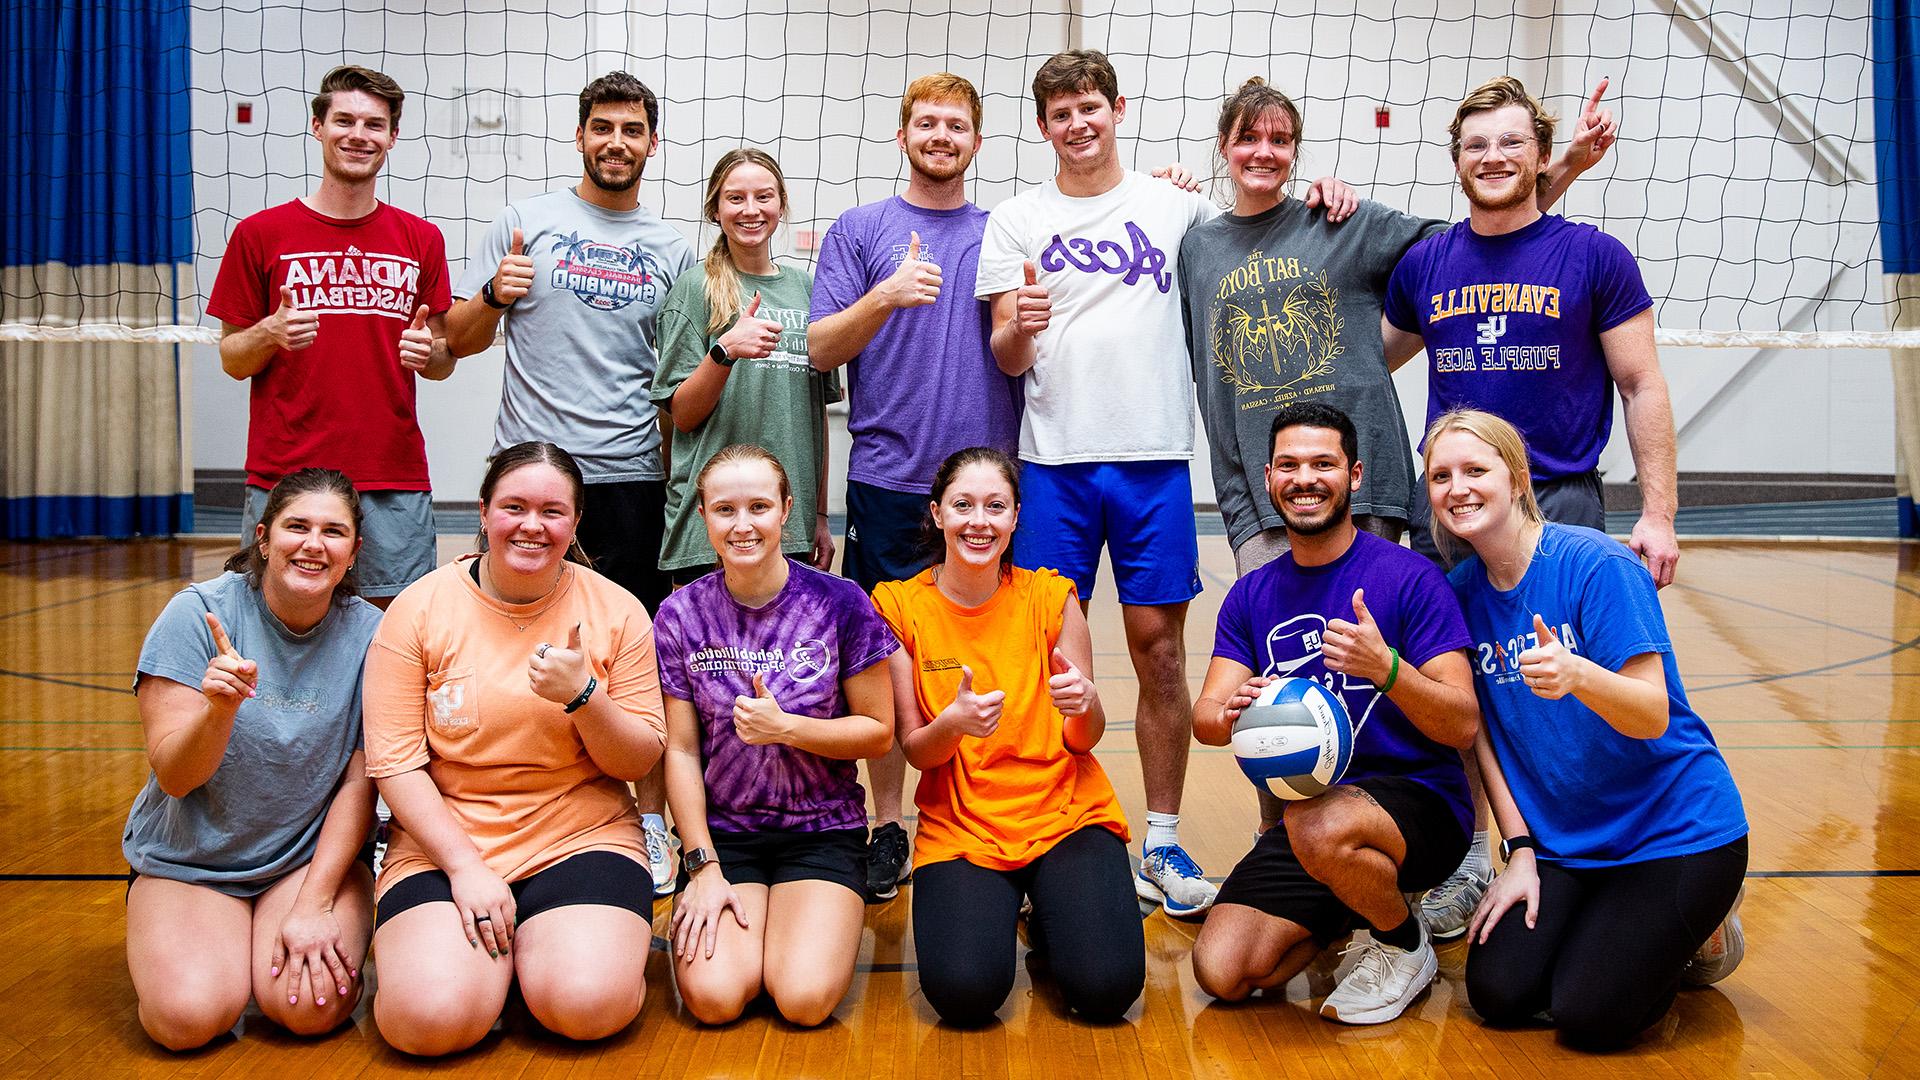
(818, 631)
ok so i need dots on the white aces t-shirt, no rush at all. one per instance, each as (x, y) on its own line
(1110, 379)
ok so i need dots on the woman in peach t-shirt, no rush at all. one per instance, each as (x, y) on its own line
(510, 696)
(994, 707)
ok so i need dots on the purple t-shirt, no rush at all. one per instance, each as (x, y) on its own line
(927, 384)
(1272, 621)
(1512, 324)
(819, 630)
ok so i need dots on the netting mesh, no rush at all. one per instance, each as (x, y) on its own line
(1743, 179)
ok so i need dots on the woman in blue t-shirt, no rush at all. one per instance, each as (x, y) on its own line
(246, 842)
(1626, 840)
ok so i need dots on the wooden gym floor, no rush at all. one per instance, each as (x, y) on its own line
(1801, 656)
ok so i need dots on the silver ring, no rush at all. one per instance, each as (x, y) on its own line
(541, 651)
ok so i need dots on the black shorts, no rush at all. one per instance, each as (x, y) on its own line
(771, 858)
(591, 877)
(1271, 879)
(620, 530)
(884, 540)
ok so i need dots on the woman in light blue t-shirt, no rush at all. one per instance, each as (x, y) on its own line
(1626, 839)
(247, 842)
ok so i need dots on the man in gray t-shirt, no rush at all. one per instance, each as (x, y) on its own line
(579, 276)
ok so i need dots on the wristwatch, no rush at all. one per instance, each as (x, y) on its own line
(696, 859)
(492, 301)
(1523, 842)
(718, 354)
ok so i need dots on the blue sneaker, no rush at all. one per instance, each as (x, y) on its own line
(1168, 874)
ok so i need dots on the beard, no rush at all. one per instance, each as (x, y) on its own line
(601, 181)
(1525, 190)
(956, 166)
(1334, 509)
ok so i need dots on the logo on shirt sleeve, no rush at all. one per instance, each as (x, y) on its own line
(605, 277)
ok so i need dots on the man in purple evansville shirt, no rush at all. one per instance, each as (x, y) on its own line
(1378, 626)
(893, 299)
(1538, 320)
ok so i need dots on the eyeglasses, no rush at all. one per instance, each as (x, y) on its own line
(1510, 144)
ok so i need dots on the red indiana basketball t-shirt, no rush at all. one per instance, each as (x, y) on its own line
(343, 402)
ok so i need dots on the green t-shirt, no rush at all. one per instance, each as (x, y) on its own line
(777, 401)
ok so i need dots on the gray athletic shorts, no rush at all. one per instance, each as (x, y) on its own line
(398, 531)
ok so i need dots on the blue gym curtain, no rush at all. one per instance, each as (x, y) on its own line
(96, 204)
(1896, 122)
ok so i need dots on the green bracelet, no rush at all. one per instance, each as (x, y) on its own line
(1394, 675)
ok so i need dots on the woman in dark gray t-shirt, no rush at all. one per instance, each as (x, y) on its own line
(245, 843)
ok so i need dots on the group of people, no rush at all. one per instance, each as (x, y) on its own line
(1020, 399)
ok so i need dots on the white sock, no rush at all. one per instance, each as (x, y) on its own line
(1162, 829)
(1479, 857)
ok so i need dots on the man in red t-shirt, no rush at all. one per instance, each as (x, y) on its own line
(332, 304)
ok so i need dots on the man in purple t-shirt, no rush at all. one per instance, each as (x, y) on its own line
(893, 300)
(1376, 624)
(1536, 319)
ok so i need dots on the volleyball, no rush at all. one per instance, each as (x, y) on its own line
(1295, 740)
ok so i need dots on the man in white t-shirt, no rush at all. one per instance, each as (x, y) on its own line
(1081, 275)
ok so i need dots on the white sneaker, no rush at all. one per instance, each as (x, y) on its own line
(1721, 952)
(1449, 907)
(1168, 874)
(659, 855)
(1383, 983)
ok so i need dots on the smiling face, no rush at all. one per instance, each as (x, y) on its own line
(615, 143)
(1310, 479)
(355, 135)
(976, 515)
(1081, 127)
(308, 548)
(939, 139)
(530, 521)
(1498, 171)
(1471, 488)
(744, 512)
(1260, 156)
(749, 206)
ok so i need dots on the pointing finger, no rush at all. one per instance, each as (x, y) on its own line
(913, 246)
(1033, 272)
(1593, 103)
(220, 639)
(519, 244)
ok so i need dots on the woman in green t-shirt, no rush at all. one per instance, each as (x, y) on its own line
(734, 366)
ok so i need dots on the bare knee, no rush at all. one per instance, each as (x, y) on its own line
(307, 1019)
(1221, 971)
(426, 1023)
(1321, 837)
(806, 1002)
(714, 1002)
(587, 1006)
(189, 1020)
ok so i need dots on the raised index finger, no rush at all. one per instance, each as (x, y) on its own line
(220, 639)
(1593, 103)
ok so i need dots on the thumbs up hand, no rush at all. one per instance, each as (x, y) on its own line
(416, 342)
(971, 713)
(1550, 669)
(515, 274)
(1072, 692)
(230, 678)
(291, 328)
(559, 672)
(751, 337)
(1033, 304)
(1356, 648)
(758, 719)
(915, 284)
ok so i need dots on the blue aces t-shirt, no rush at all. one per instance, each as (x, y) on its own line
(1512, 325)
(1273, 619)
(1592, 796)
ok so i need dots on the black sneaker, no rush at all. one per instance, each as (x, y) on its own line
(889, 862)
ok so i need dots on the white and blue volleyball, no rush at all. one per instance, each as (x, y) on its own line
(1295, 740)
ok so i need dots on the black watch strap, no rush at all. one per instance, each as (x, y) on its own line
(1523, 842)
(718, 354)
(492, 301)
(576, 703)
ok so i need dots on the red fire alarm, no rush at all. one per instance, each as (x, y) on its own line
(243, 112)
(1381, 116)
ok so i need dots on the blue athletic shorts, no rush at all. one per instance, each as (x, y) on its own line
(1142, 511)
(397, 537)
